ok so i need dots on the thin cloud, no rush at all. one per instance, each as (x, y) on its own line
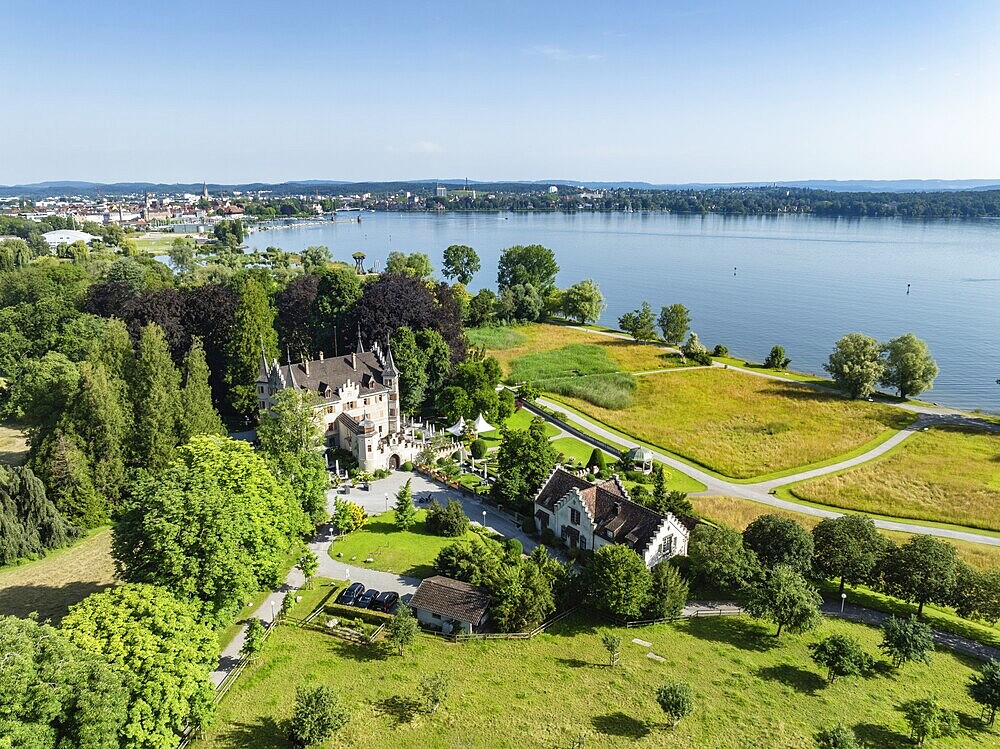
(420, 147)
(561, 55)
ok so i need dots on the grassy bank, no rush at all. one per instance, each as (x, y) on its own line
(752, 691)
(947, 474)
(743, 426)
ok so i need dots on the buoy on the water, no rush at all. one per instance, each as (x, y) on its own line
(907, 289)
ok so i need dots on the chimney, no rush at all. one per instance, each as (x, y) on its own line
(305, 362)
(321, 356)
(354, 360)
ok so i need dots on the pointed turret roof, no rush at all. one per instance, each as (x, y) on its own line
(390, 366)
(264, 366)
(361, 346)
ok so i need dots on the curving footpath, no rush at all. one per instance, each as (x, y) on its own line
(759, 492)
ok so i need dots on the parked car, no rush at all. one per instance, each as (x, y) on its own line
(365, 599)
(385, 601)
(351, 594)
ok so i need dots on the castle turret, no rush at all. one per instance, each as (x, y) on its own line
(390, 378)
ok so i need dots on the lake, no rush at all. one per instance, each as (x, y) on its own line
(750, 282)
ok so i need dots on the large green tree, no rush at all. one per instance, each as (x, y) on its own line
(909, 366)
(160, 651)
(155, 394)
(674, 321)
(524, 461)
(924, 570)
(411, 361)
(56, 695)
(718, 557)
(338, 291)
(583, 302)
(416, 264)
(856, 364)
(618, 581)
(846, 547)
(906, 640)
(461, 263)
(639, 323)
(783, 597)
(253, 330)
(528, 264)
(984, 688)
(197, 413)
(30, 524)
(214, 527)
(103, 421)
(776, 540)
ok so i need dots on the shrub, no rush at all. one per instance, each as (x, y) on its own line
(838, 737)
(548, 536)
(478, 449)
(928, 720)
(456, 456)
(701, 357)
(381, 473)
(596, 459)
(668, 593)
(720, 350)
(842, 656)
(528, 525)
(447, 521)
(776, 359)
(442, 461)
(676, 699)
(317, 716)
(407, 466)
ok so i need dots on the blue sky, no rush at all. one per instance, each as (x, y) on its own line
(659, 91)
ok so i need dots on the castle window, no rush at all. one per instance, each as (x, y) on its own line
(574, 517)
(667, 546)
(583, 542)
(369, 448)
(366, 401)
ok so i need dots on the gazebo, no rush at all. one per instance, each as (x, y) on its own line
(640, 456)
(458, 428)
(482, 425)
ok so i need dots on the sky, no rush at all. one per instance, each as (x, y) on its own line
(663, 92)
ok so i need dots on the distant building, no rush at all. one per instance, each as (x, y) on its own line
(440, 192)
(67, 236)
(553, 188)
(588, 516)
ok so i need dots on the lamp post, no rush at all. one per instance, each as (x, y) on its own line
(484, 518)
(272, 612)
(387, 501)
(843, 600)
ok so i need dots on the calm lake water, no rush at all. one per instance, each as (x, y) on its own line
(750, 282)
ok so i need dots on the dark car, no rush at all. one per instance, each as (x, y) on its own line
(385, 601)
(351, 594)
(365, 599)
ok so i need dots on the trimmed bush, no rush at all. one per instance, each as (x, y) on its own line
(548, 536)
(407, 466)
(720, 350)
(478, 449)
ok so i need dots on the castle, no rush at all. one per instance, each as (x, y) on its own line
(358, 402)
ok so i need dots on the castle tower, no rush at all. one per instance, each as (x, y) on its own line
(390, 378)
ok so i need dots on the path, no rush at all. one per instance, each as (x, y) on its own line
(759, 492)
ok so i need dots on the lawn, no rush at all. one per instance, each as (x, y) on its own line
(54, 583)
(157, 243)
(946, 474)
(13, 445)
(743, 426)
(409, 552)
(520, 419)
(495, 338)
(627, 355)
(752, 691)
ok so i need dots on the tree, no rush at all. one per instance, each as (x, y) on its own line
(62, 465)
(521, 590)
(197, 414)
(406, 513)
(460, 263)
(906, 640)
(315, 257)
(30, 524)
(347, 516)
(776, 359)
(984, 688)
(695, 350)
(777, 540)
(155, 393)
(437, 358)
(923, 570)
(434, 688)
(402, 629)
(856, 364)
(524, 460)
(676, 503)
(56, 694)
(596, 459)
(583, 302)
(674, 322)
(668, 592)
(928, 720)
(317, 715)
(676, 699)
(784, 598)
(837, 737)
(530, 264)
(847, 547)
(411, 361)
(253, 331)
(841, 655)
(214, 527)
(103, 421)
(482, 308)
(520, 303)
(446, 521)
(718, 557)
(163, 655)
(618, 581)
(639, 323)
(337, 293)
(613, 644)
(294, 310)
(253, 639)
(479, 448)
(909, 366)
(308, 565)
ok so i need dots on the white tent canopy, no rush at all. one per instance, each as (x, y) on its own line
(458, 428)
(482, 426)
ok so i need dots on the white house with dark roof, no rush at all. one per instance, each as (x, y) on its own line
(590, 515)
(358, 402)
(447, 604)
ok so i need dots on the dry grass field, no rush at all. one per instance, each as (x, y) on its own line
(744, 426)
(946, 474)
(13, 445)
(51, 585)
